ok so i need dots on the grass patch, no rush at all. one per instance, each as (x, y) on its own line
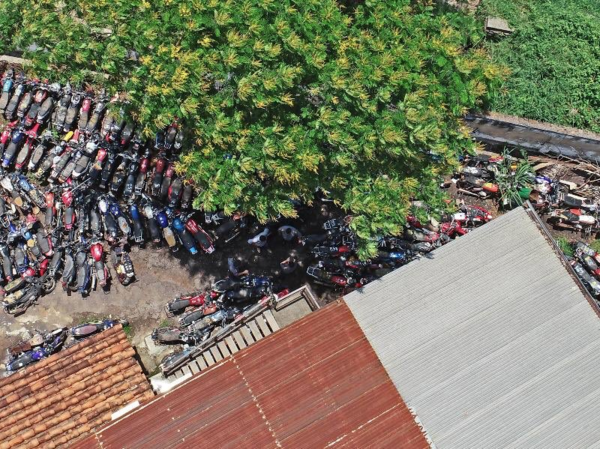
(565, 246)
(165, 323)
(128, 331)
(554, 56)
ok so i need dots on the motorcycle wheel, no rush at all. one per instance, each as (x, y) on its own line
(49, 285)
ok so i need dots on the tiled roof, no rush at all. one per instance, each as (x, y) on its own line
(315, 383)
(68, 395)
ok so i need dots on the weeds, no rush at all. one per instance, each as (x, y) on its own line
(554, 57)
(566, 247)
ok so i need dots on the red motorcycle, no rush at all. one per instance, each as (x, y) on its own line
(26, 150)
(166, 182)
(140, 182)
(161, 165)
(200, 235)
(102, 274)
(195, 299)
(5, 136)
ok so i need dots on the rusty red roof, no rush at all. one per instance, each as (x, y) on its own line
(65, 397)
(315, 383)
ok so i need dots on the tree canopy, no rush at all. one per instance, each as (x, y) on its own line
(280, 98)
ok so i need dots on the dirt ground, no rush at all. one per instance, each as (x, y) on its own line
(161, 275)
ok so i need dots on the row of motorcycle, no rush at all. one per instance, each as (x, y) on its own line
(66, 198)
(44, 344)
(337, 265)
(556, 199)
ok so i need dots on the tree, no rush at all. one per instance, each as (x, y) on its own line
(282, 98)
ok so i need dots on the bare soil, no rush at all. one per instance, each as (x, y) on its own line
(161, 275)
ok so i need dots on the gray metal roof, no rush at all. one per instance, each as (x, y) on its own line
(490, 341)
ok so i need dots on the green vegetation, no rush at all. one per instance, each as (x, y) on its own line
(513, 177)
(554, 56)
(281, 98)
(595, 245)
(565, 246)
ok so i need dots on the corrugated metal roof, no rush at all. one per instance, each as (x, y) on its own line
(315, 383)
(490, 341)
(65, 397)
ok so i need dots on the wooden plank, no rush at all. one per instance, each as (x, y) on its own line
(247, 335)
(186, 370)
(254, 328)
(216, 354)
(260, 320)
(201, 363)
(209, 358)
(194, 367)
(224, 349)
(271, 320)
(230, 342)
(237, 336)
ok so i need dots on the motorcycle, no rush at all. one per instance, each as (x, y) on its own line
(88, 329)
(166, 181)
(97, 114)
(10, 112)
(200, 235)
(184, 236)
(101, 269)
(158, 175)
(83, 272)
(123, 265)
(52, 343)
(19, 301)
(327, 279)
(84, 110)
(7, 88)
(17, 139)
(138, 227)
(174, 193)
(181, 302)
(62, 111)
